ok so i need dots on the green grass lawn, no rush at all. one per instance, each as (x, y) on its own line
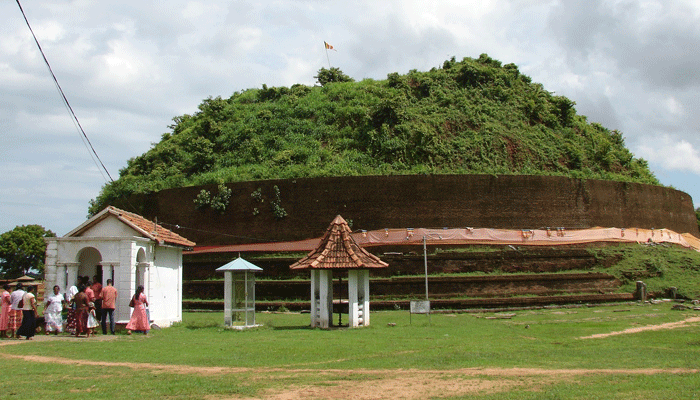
(286, 354)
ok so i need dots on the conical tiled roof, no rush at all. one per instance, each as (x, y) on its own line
(338, 250)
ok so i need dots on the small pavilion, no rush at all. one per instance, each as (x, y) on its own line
(239, 293)
(338, 251)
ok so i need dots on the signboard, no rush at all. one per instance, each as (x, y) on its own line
(420, 307)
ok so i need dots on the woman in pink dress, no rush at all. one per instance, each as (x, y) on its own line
(5, 310)
(139, 318)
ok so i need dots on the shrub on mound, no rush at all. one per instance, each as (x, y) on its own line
(473, 116)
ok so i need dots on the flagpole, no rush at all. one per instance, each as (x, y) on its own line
(327, 58)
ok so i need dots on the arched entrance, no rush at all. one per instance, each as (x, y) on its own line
(89, 259)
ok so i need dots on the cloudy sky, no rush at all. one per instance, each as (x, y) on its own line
(128, 67)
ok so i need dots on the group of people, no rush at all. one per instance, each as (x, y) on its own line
(86, 306)
(18, 312)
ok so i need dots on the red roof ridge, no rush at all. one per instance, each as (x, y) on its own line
(150, 229)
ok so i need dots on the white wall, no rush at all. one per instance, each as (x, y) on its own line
(111, 226)
(164, 286)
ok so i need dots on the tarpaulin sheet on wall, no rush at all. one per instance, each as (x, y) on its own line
(466, 236)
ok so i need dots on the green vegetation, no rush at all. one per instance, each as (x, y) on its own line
(218, 202)
(660, 267)
(536, 354)
(467, 117)
(326, 76)
(22, 250)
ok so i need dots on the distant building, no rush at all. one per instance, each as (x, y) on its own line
(130, 250)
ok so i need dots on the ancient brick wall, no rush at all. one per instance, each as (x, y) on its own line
(531, 260)
(426, 201)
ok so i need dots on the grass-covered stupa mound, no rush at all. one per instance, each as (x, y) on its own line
(473, 116)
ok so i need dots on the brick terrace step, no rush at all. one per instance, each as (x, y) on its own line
(453, 304)
(486, 286)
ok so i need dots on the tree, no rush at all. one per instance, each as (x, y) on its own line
(332, 75)
(22, 249)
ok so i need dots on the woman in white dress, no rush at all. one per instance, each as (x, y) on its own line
(53, 310)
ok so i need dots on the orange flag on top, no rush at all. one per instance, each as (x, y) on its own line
(329, 47)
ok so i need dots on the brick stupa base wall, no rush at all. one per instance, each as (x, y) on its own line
(302, 208)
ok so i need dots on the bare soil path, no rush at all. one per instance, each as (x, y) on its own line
(669, 325)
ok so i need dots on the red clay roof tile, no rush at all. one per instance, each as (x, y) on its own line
(147, 228)
(338, 250)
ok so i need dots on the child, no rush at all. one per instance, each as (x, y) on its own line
(92, 320)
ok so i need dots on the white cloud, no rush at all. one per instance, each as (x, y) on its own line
(193, 10)
(671, 153)
(129, 67)
(49, 31)
(673, 106)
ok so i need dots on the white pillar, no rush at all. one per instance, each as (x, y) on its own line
(71, 274)
(250, 298)
(354, 311)
(358, 298)
(325, 296)
(50, 260)
(314, 306)
(107, 273)
(61, 278)
(363, 294)
(228, 287)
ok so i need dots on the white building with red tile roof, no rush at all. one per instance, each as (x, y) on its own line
(130, 250)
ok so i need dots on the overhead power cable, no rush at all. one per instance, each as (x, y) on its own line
(84, 137)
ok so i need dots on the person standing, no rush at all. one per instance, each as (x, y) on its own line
(92, 321)
(15, 310)
(139, 317)
(97, 289)
(88, 288)
(108, 296)
(81, 311)
(90, 295)
(53, 311)
(5, 310)
(28, 328)
(70, 317)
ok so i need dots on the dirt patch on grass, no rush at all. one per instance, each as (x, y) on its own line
(366, 384)
(395, 387)
(176, 369)
(669, 325)
(422, 384)
(62, 337)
